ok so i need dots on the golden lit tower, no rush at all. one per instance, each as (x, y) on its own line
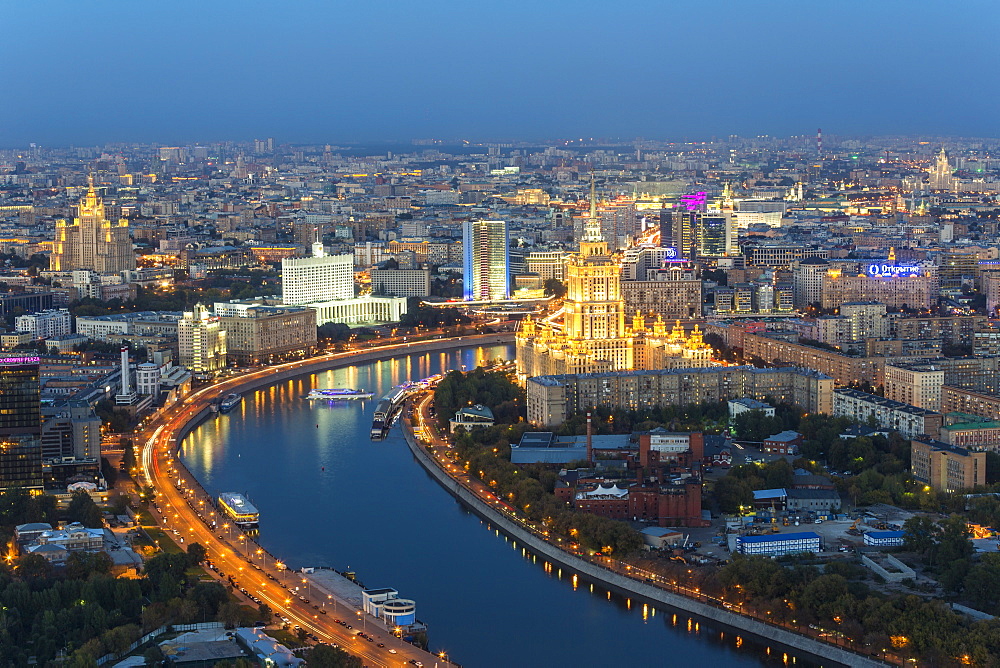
(92, 241)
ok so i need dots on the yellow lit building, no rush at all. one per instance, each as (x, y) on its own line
(92, 242)
(590, 334)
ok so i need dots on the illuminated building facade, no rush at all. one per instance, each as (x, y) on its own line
(551, 399)
(485, 247)
(20, 423)
(201, 341)
(92, 242)
(593, 335)
(917, 289)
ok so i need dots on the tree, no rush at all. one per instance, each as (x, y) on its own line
(153, 656)
(919, 534)
(555, 287)
(33, 566)
(325, 656)
(732, 493)
(196, 553)
(82, 509)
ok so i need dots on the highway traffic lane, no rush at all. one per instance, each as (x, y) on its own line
(198, 531)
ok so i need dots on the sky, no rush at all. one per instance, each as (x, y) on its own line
(305, 71)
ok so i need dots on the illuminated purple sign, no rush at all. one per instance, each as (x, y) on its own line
(695, 201)
(10, 361)
(886, 270)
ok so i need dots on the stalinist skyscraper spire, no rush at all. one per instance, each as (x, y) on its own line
(92, 241)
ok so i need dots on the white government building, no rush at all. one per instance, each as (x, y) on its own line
(325, 283)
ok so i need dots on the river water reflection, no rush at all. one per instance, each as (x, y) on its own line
(329, 496)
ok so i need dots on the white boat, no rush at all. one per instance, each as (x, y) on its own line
(338, 394)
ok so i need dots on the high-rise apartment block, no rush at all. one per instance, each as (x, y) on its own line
(401, 282)
(551, 399)
(45, 324)
(487, 274)
(915, 384)
(92, 242)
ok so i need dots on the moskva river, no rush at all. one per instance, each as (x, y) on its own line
(329, 496)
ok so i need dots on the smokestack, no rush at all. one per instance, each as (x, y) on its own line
(819, 142)
(590, 440)
(126, 385)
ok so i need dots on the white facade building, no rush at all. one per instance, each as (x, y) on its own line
(147, 379)
(45, 324)
(317, 279)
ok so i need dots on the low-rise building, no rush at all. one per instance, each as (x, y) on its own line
(783, 443)
(775, 545)
(971, 432)
(884, 538)
(815, 500)
(471, 416)
(737, 406)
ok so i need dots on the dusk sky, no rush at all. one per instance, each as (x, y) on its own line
(328, 71)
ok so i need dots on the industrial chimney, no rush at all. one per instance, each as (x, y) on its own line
(590, 441)
(126, 381)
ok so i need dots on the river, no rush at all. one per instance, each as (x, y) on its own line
(329, 496)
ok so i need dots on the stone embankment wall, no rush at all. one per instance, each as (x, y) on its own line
(627, 586)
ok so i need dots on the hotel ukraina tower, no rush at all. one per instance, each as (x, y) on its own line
(590, 334)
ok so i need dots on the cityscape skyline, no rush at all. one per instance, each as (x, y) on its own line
(348, 73)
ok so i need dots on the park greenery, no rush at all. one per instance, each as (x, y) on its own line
(497, 390)
(837, 600)
(485, 454)
(73, 615)
(431, 318)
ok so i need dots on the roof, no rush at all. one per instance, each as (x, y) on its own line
(660, 532)
(752, 404)
(885, 534)
(785, 436)
(475, 411)
(779, 537)
(601, 490)
(813, 493)
(962, 426)
(761, 494)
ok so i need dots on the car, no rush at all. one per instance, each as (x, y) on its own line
(348, 626)
(415, 662)
(315, 607)
(322, 611)
(392, 651)
(381, 644)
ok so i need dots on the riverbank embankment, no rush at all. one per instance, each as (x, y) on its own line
(626, 586)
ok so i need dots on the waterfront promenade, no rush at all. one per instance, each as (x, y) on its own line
(605, 571)
(188, 510)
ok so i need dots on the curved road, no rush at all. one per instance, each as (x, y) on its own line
(184, 508)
